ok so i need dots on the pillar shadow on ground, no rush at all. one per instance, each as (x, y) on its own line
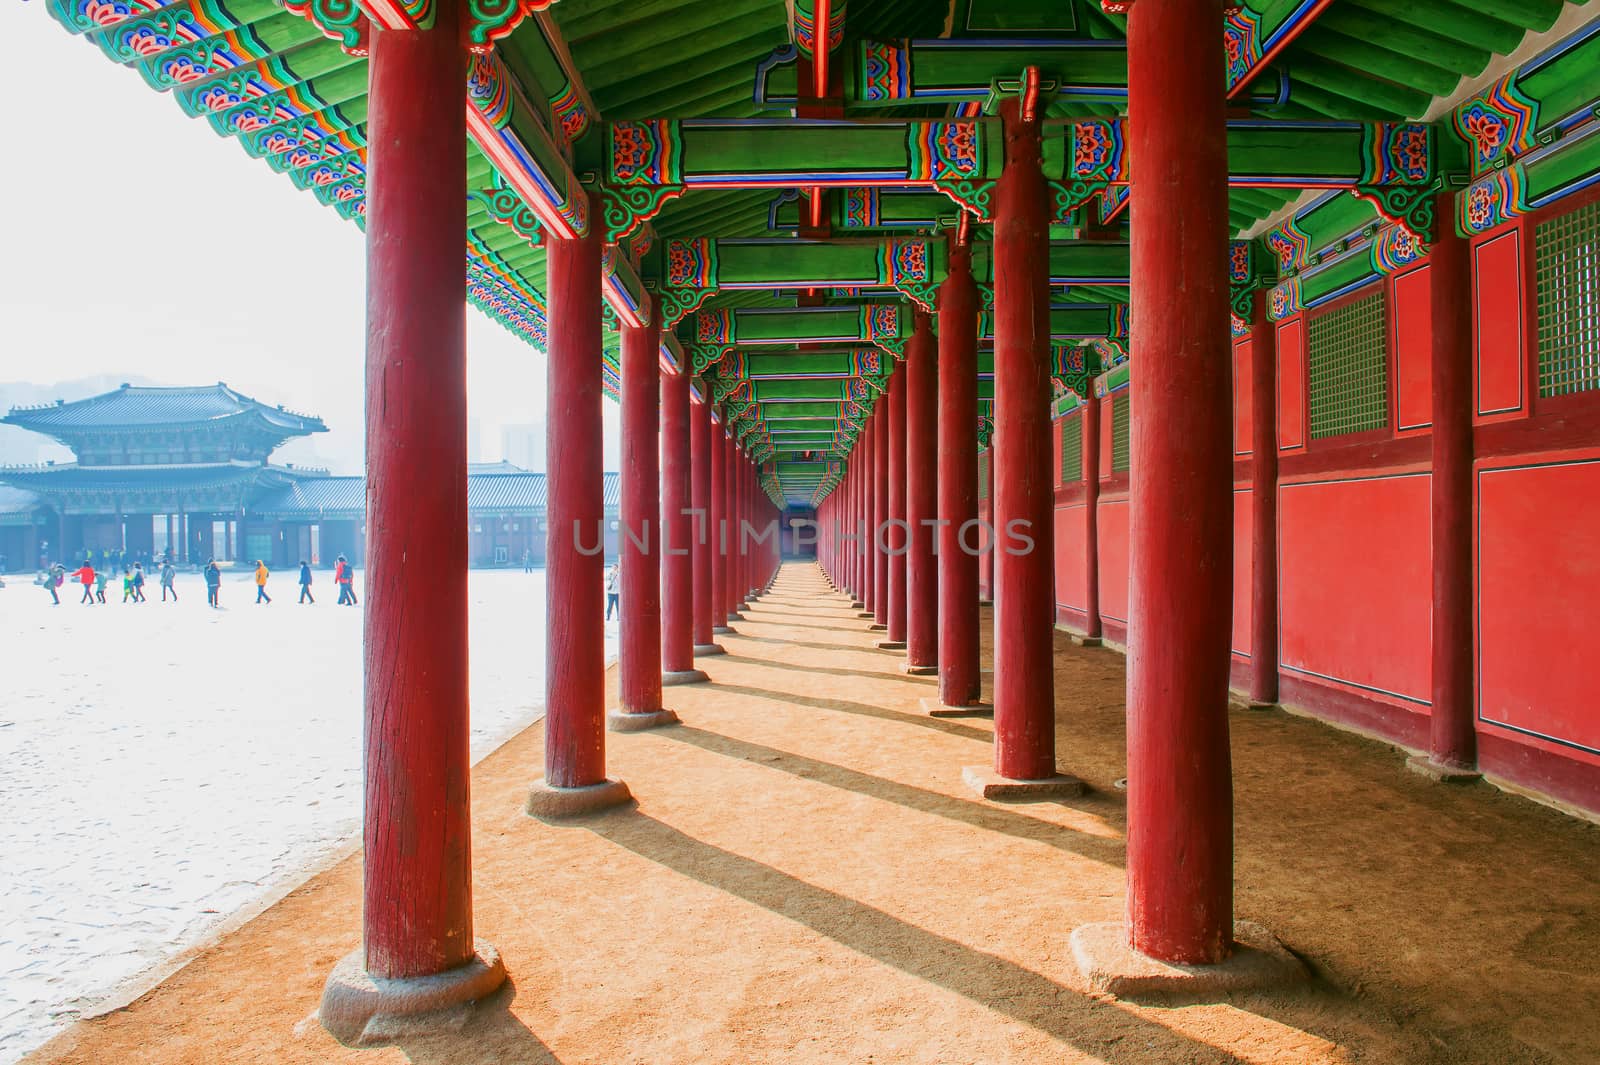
(987, 816)
(846, 624)
(492, 1036)
(1113, 1036)
(893, 672)
(882, 713)
(861, 648)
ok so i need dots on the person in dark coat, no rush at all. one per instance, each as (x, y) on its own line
(305, 582)
(213, 575)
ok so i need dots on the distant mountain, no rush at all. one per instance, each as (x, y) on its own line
(20, 447)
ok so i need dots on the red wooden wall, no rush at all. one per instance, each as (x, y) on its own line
(1354, 545)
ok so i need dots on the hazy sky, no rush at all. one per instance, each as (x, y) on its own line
(134, 240)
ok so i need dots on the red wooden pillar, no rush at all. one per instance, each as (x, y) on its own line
(574, 722)
(1180, 800)
(986, 586)
(417, 935)
(1021, 491)
(921, 444)
(895, 532)
(959, 678)
(734, 495)
(1263, 503)
(639, 546)
(861, 514)
(722, 572)
(867, 445)
(700, 447)
(1091, 515)
(677, 530)
(880, 513)
(747, 523)
(1453, 739)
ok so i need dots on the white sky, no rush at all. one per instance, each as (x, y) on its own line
(134, 240)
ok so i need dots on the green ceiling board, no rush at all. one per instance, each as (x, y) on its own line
(1412, 72)
(1434, 42)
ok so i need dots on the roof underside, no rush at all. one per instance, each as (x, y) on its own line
(270, 79)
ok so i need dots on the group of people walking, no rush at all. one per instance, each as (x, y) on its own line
(94, 582)
(133, 581)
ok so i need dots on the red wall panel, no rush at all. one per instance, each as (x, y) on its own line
(1538, 586)
(1355, 582)
(1243, 570)
(1242, 386)
(1113, 515)
(1292, 385)
(1069, 560)
(1056, 428)
(1107, 416)
(1498, 329)
(1413, 349)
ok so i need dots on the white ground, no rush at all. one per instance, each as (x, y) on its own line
(164, 768)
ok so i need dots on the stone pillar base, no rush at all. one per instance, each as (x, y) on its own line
(723, 630)
(684, 676)
(1422, 765)
(1258, 963)
(701, 650)
(877, 626)
(891, 645)
(630, 721)
(865, 614)
(920, 671)
(548, 802)
(1085, 641)
(991, 785)
(856, 604)
(734, 615)
(740, 609)
(359, 1009)
(936, 708)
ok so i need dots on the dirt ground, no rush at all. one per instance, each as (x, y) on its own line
(805, 879)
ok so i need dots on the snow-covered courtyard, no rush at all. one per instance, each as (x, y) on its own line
(171, 768)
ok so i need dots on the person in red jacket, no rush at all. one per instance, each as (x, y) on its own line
(85, 577)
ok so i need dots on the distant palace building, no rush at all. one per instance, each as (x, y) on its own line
(188, 470)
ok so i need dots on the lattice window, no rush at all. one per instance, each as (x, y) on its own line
(1567, 271)
(983, 475)
(1071, 450)
(1348, 362)
(1120, 446)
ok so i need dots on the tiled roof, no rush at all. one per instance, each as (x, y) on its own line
(329, 497)
(344, 498)
(72, 478)
(494, 467)
(17, 505)
(143, 407)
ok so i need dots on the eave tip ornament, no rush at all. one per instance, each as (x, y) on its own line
(491, 20)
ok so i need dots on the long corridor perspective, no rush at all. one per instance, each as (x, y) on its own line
(806, 878)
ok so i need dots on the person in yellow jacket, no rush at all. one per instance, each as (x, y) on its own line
(261, 583)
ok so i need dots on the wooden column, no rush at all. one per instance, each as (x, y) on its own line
(1091, 515)
(720, 603)
(922, 509)
(1021, 489)
(895, 532)
(880, 513)
(574, 723)
(1263, 503)
(639, 545)
(677, 529)
(417, 933)
(1453, 738)
(959, 678)
(700, 446)
(1180, 799)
